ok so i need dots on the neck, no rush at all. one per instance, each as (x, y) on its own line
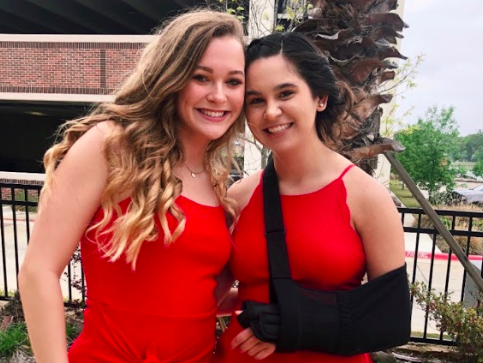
(194, 153)
(295, 166)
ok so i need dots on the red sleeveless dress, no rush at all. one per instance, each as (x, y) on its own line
(165, 310)
(324, 251)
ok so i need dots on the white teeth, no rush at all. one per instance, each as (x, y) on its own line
(277, 129)
(212, 113)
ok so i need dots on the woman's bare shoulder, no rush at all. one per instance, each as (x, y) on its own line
(364, 187)
(243, 189)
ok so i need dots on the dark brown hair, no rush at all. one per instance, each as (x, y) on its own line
(315, 69)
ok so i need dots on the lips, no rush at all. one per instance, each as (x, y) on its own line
(278, 128)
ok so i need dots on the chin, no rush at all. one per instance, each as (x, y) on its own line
(279, 147)
(215, 137)
(215, 134)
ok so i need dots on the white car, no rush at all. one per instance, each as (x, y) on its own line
(474, 195)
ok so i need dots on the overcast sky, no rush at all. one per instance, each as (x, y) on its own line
(450, 34)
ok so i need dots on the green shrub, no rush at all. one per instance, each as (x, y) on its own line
(13, 339)
(73, 328)
(463, 324)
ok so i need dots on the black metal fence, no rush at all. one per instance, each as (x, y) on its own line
(18, 204)
(18, 210)
(439, 270)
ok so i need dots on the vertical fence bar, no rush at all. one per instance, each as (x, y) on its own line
(15, 232)
(450, 253)
(4, 254)
(430, 284)
(83, 292)
(416, 246)
(448, 270)
(27, 214)
(415, 259)
(468, 243)
(69, 279)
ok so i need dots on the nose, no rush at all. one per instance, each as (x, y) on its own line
(217, 94)
(272, 111)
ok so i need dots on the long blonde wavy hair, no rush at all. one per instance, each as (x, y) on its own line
(143, 149)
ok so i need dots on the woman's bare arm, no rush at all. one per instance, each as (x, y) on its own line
(64, 216)
(377, 221)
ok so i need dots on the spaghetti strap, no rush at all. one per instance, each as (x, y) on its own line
(346, 170)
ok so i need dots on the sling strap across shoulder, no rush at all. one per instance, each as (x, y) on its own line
(372, 317)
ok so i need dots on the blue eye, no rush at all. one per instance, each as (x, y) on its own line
(234, 82)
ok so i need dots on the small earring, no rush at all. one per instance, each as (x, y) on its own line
(321, 105)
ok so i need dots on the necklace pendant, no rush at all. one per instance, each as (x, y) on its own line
(193, 175)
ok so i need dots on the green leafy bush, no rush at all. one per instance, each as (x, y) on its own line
(463, 324)
(13, 339)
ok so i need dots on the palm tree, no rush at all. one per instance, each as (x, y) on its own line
(359, 37)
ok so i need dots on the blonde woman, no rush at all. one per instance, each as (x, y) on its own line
(140, 183)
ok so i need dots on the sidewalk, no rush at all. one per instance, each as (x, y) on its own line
(8, 257)
(441, 270)
(419, 248)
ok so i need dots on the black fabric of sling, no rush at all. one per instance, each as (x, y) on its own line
(373, 317)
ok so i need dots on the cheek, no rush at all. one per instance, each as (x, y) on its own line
(253, 115)
(237, 98)
(191, 93)
(255, 129)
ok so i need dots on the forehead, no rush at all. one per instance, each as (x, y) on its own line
(227, 49)
(271, 71)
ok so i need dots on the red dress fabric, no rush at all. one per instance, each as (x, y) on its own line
(324, 251)
(164, 311)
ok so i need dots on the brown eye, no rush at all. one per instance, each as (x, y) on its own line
(200, 78)
(255, 101)
(286, 94)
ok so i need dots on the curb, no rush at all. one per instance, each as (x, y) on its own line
(440, 256)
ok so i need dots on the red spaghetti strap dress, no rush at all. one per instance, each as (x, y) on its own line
(164, 311)
(324, 250)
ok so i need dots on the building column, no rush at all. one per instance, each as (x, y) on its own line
(260, 22)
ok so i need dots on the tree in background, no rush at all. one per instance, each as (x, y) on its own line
(471, 147)
(428, 146)
(478, 168)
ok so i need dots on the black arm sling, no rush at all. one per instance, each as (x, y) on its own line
(373, 317)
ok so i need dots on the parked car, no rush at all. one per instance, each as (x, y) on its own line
(473, 195)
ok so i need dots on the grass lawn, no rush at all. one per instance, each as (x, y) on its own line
(468, 165)
(404, 195)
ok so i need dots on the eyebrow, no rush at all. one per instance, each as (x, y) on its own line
(276, 88)
(210, 70)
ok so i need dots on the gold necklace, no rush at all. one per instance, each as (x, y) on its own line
(193, 174)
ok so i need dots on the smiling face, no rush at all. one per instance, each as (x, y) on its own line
(280, 107)
(213, 98)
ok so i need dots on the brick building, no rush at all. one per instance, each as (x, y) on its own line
(58, 58)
